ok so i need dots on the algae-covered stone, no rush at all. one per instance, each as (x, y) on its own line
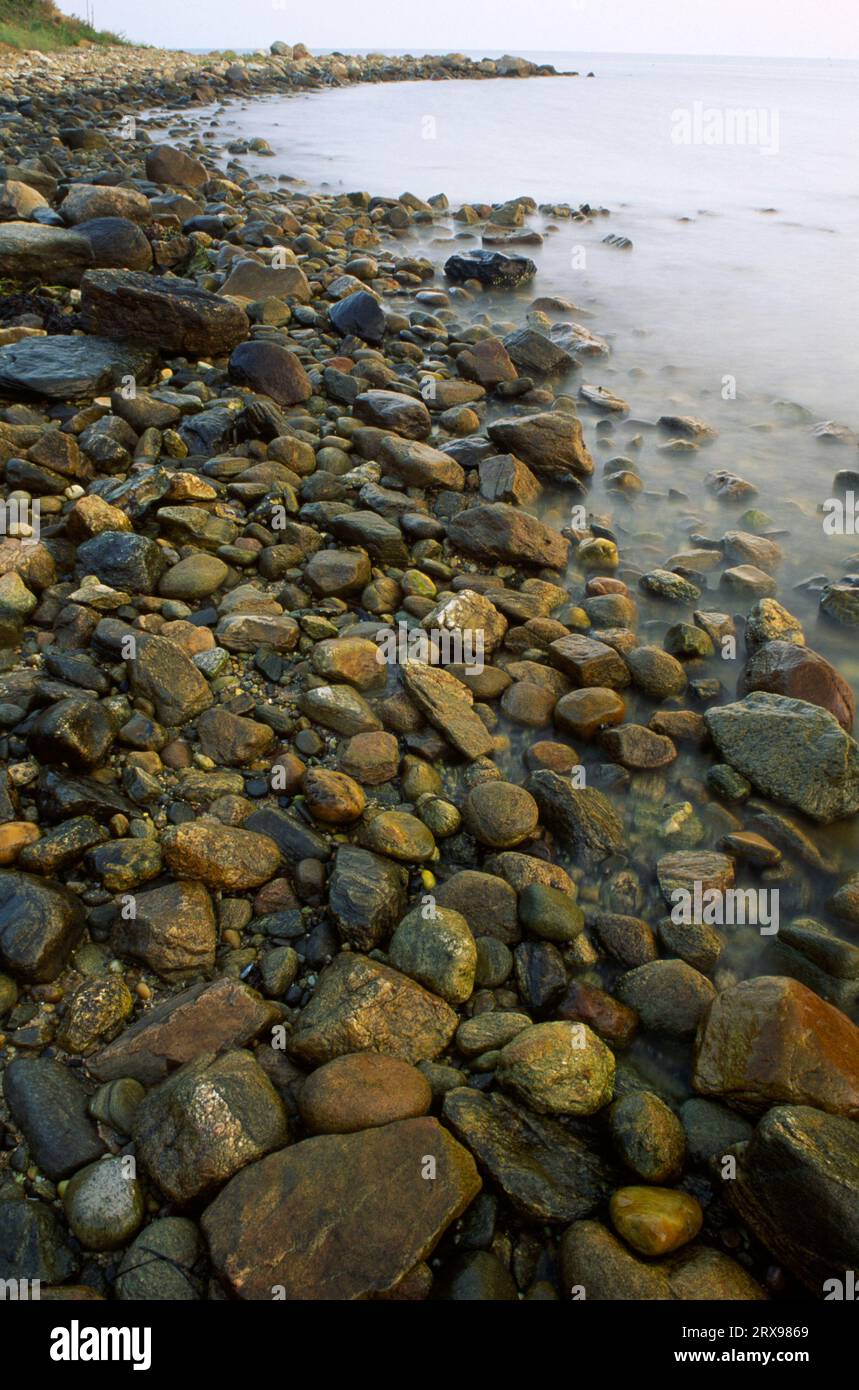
(438, 951)
(558, 1069)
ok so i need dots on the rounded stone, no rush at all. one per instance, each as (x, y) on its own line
(648, 1137)
(360, 1091)
(558, 1069)
(656, 673)
(438, 951)
(400, 836)
(584, 712)
(163, 1263)
(197, 576)
(500, 814)
(549, 913)
(332, 797)
(104, 1205)
(655, 1220)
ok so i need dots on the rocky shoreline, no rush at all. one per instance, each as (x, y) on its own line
(346, 804)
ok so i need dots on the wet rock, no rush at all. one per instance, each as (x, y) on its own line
(784, 668)
(546, 1172)
(669, 996)
(438, 951)
(648, 1137)
(366, 896)
(204, 1123)
(96, 1012)
(161, 672)
(551, 444)
(69, 367)
(360, 1092)
(104, 1205)
(558, 1069)
(359, 314)
(230, 740)
(203, 1018)
(791, 751)
(173, 931)
(385, 1215)
(393, 410)
(420, 465)
(487, 903)
(446, 703)
(75, 731)
(173, 314)
(272, 370)
(655, 1220)
(549, 913)
(583, 713)
(796, 1187)
(33, 1244)
(40, 924)
(589, 663)
(123, 560)
(49, 1105)
(221, 856)
(491, 268)
(711, 1129)
(174, 168)
(583, 818)
(360, 1005)
(162, 1263)
(497, 532)
(771, 1040)
(29, 250)
(195, 577)
(500, 814)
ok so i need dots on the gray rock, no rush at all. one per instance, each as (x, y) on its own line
(49, 1105)
(69, 367)
(792, 751)
(547, 1173)
(40, 924)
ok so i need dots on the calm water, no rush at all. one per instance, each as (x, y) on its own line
(743, 267)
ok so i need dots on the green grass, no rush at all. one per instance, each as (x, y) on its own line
(38, 24)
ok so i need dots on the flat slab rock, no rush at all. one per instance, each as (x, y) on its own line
(790, 750)
(547, 1173)
(204, 1018)
(339, 1217)
(69, 366)
(361, 1005)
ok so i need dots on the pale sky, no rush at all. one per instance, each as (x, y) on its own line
(776, 28)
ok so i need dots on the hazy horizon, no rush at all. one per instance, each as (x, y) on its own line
(694, 28)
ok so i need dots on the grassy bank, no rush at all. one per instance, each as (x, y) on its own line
(38, 24)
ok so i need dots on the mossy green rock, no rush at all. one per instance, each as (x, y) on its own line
(549, 913)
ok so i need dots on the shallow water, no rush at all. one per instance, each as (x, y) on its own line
(714, 288)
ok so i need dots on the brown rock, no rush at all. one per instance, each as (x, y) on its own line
(221, 856)
(204, 1018)
(783, 668)
(772, 1040)
(361, 1091)
(380, 1214)
(360, 1005)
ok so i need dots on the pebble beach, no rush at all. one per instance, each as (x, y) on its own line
(415, 882)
